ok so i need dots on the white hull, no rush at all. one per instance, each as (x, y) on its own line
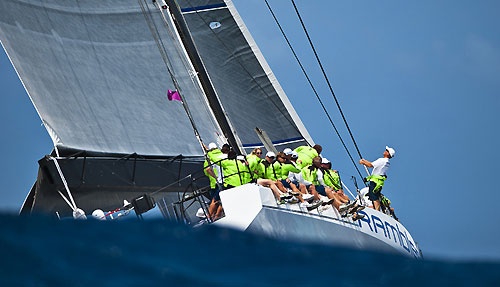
(253, 208)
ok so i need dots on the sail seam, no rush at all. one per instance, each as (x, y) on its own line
(278, 142)
(203, 8)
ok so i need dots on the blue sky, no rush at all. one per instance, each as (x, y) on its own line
(422, 77)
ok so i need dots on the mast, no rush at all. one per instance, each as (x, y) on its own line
(206, 84)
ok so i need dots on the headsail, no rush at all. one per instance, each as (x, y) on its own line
(94, 71)
(247, 88)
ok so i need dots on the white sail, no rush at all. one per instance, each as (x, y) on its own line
(95, 73)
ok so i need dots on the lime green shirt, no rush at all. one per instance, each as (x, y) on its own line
(310, 174)
(235, 172)
(306, 155)
(331, 179)
(254, 164)
(288, 167)
(212, 155)
(270, 171)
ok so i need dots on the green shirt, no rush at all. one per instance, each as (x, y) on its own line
(235, 172)
(306, 155)
(288, 167)
(331, 179)
(212, 155)
(254, 164)
(270, 170)
(310, 173)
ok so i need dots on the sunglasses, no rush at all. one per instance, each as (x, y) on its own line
(258, 153)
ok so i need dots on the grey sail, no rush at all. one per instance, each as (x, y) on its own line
(95, 73)
(247, 89)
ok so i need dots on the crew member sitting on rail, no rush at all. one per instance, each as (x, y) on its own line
(296, 176)
(312, 178)
(332, 181)
(378, 176)
(289, 179)
(270, 169)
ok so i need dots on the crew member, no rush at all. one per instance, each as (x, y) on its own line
(270, 169)
(379, 175)
(306, 154)
(254, 161)
(312, 178)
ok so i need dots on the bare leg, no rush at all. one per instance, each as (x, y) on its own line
(313, 191)
(302, 189)
(269, 183)
(331, 194)
(219, 212)
(213, 209)
(280, 186)
(376, 204)
(296, 190)
(341, 196)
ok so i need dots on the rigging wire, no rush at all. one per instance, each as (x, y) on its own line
(326, 77)
(312, 86)
(166, 60)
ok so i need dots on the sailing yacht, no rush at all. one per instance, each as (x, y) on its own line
(98, 72)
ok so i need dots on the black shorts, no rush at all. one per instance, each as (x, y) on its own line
(214, 193)
(319, 188)
(373, 196)
(287, 185)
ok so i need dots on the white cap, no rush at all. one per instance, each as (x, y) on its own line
(324, 160)
(270, 154)
(287, 151)
(240, 157)
(295, 154)
(212, 146)
(391, 151)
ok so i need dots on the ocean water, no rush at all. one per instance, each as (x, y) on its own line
(38, 251)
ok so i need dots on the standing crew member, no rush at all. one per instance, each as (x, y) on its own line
(214, 174)
(379, 175)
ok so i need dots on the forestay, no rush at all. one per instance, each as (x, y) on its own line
(247, 88)
(95, 74)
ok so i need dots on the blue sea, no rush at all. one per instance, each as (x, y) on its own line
(37, 251)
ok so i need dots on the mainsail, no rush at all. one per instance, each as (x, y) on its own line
(95, 73)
